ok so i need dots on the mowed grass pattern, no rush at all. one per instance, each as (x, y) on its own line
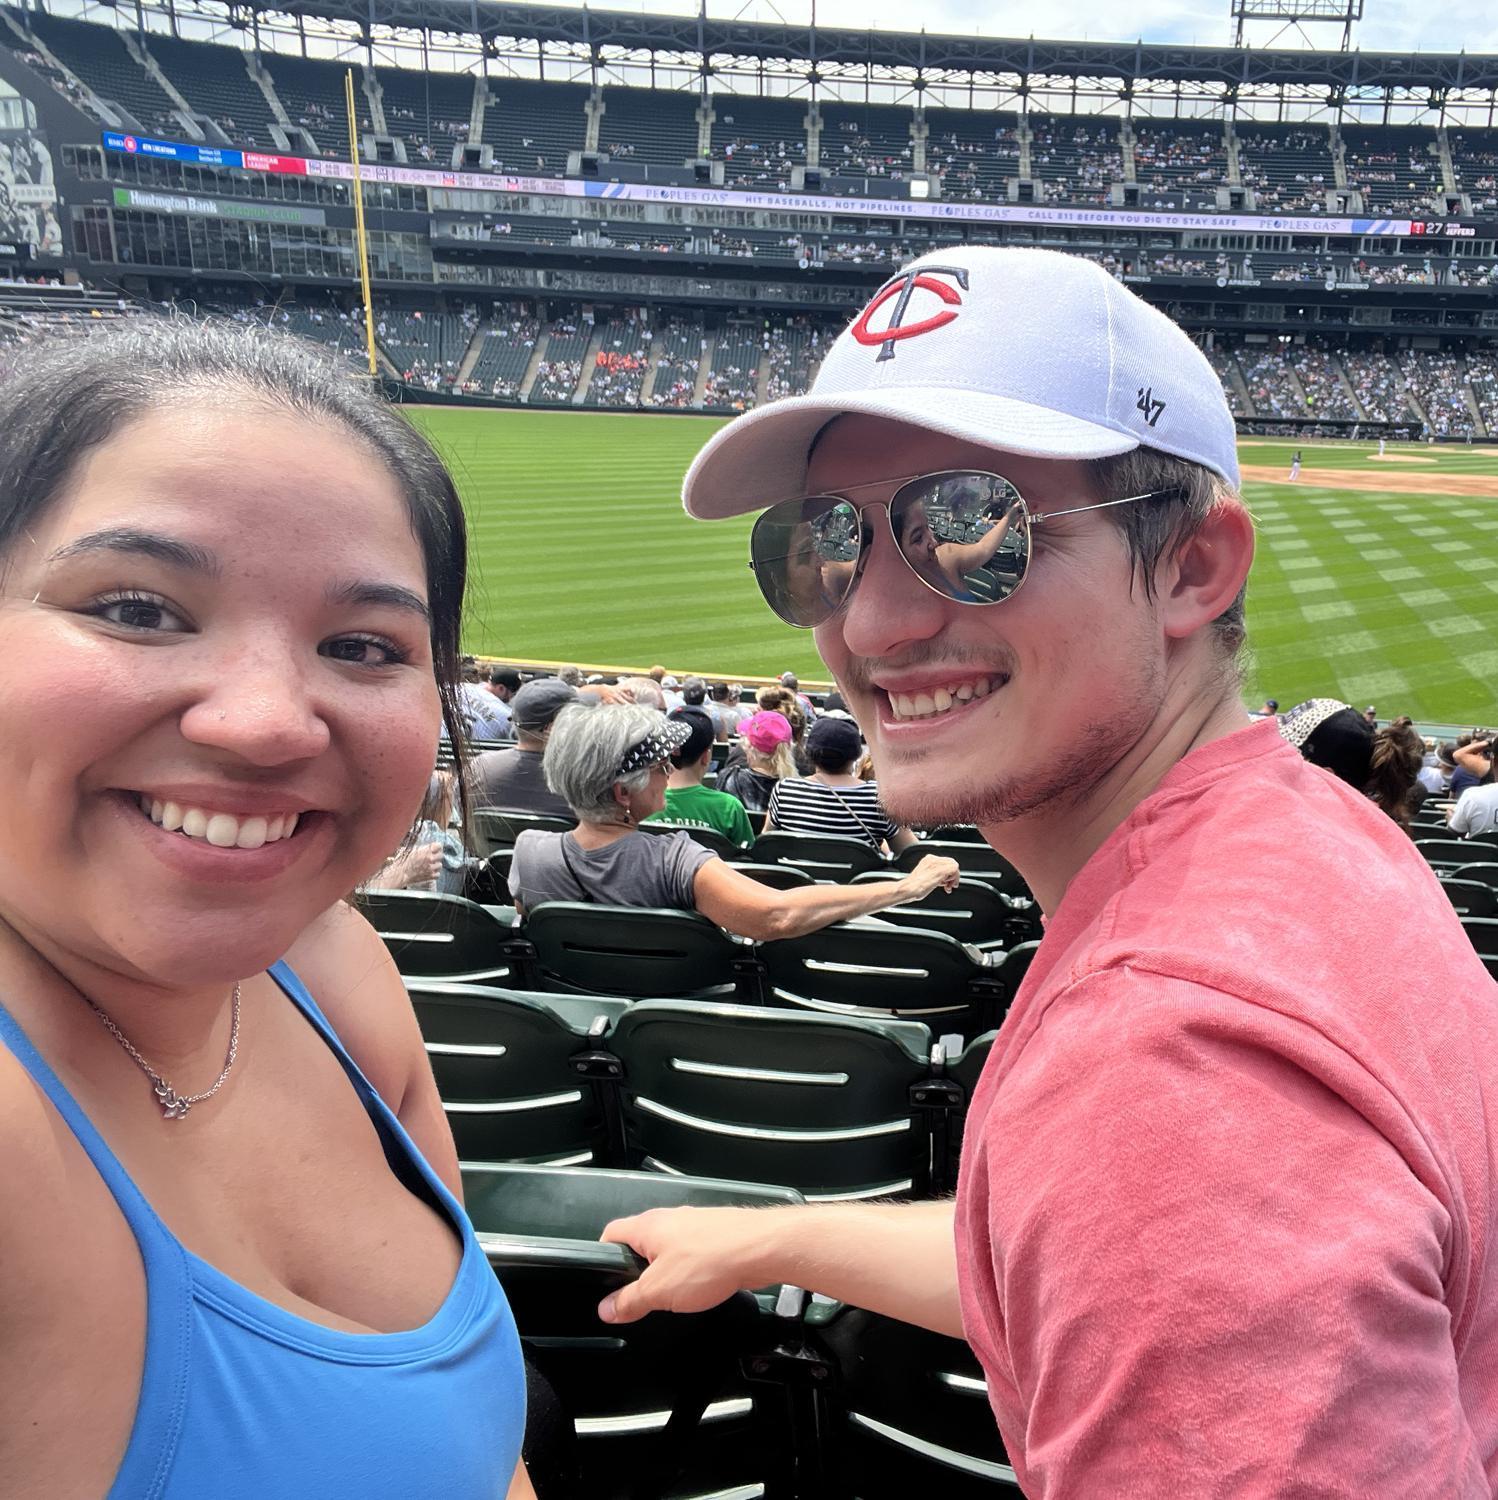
(581, 552)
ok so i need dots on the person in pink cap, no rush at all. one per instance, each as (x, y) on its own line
(1227, 1218)
(767, 759)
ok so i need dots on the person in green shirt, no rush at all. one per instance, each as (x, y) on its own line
(689, 802)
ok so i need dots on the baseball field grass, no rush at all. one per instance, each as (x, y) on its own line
(1376, 579)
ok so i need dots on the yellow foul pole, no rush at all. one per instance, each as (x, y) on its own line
(359, 235)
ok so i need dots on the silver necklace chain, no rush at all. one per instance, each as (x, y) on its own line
(174, 1105)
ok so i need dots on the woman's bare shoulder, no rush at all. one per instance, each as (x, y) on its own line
(346, 968)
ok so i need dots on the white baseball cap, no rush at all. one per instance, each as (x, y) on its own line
(1032, 351)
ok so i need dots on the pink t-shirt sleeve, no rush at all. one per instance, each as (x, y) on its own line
(1209, 1271)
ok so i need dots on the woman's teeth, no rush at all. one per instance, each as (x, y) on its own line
(943, 699)
(222, 830)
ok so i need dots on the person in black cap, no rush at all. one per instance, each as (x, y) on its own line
(513, 778)
(688, 801)
(1383, 764)
(833, 799)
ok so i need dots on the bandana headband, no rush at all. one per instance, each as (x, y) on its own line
(1304, 719)
(660, 744)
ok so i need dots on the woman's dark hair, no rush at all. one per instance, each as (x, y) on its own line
(63, 396)
(1394, 768)
(1383, 764)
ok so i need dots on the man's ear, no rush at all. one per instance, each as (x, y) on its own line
(1205, 572)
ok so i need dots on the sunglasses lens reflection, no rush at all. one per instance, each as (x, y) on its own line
(967, 535)
(805, 554)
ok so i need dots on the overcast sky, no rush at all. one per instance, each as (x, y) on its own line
(1388, 25)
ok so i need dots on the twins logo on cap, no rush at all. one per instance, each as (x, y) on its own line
(903, 287)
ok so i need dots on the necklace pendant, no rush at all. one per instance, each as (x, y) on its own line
(171, 1106)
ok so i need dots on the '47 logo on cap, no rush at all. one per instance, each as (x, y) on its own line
(902, 288)
(1148, 405)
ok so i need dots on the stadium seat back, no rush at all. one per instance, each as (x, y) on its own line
(619, 1384)
(973, 859)
(496, 828)
(1484, 934)
(827, 856)
(1471, 898)
(503, 1064)
(443, 937)
(871, 969)
(915, 1418)
(1445, 856)
(778, 877)
(819, 1103)
(709, 838)
(1484, 873)
(637, 952)
(974, 913)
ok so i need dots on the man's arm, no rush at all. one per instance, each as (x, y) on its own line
(892, 1258)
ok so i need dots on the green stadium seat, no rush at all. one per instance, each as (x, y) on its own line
(621, 1384)
(516, 1073)
(1471, 898)
(1447, 855)
(826, 856)
(446, 937)
(496, 828)
(974, 859)
(820, 1103)
(781, 877)
(1484, 934)
(870, 969)
(974, 913)
(914, 1418)
(1487, 874)
(709, 838)
(638, 952)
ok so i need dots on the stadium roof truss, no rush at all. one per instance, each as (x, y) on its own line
(777, 58)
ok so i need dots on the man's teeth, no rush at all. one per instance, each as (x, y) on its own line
(943, 699)
(222, 830)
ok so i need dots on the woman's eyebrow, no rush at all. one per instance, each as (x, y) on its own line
(167, 549)
(390, 595)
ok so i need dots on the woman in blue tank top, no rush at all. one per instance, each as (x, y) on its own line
(235, 1258)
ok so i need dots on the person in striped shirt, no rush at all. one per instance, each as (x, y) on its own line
(833, 799)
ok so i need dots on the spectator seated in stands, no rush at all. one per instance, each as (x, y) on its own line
(765, 739)
(433, 857)
(1384, 764)
(725, 711)
(611, 765)
(485, 717)
(1435, 775)
(1474, 763)
(1476, 811)
(691, 803)
(514, 778)
(834, 798)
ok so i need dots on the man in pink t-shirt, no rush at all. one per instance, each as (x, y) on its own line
(1225, 1221)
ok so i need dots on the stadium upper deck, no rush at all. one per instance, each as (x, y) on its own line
(770, 107)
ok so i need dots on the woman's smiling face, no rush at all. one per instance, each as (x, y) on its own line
(219, 623)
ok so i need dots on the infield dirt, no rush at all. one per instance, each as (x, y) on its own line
(1396, 482)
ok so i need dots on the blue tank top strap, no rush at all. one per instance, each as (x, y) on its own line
(163, 1387)
(400, 1150)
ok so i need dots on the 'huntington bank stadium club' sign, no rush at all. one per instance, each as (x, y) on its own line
(502, 184)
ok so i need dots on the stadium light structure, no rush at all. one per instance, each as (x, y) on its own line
(1294, 15)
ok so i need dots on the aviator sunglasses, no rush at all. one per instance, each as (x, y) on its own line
(963, 532)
